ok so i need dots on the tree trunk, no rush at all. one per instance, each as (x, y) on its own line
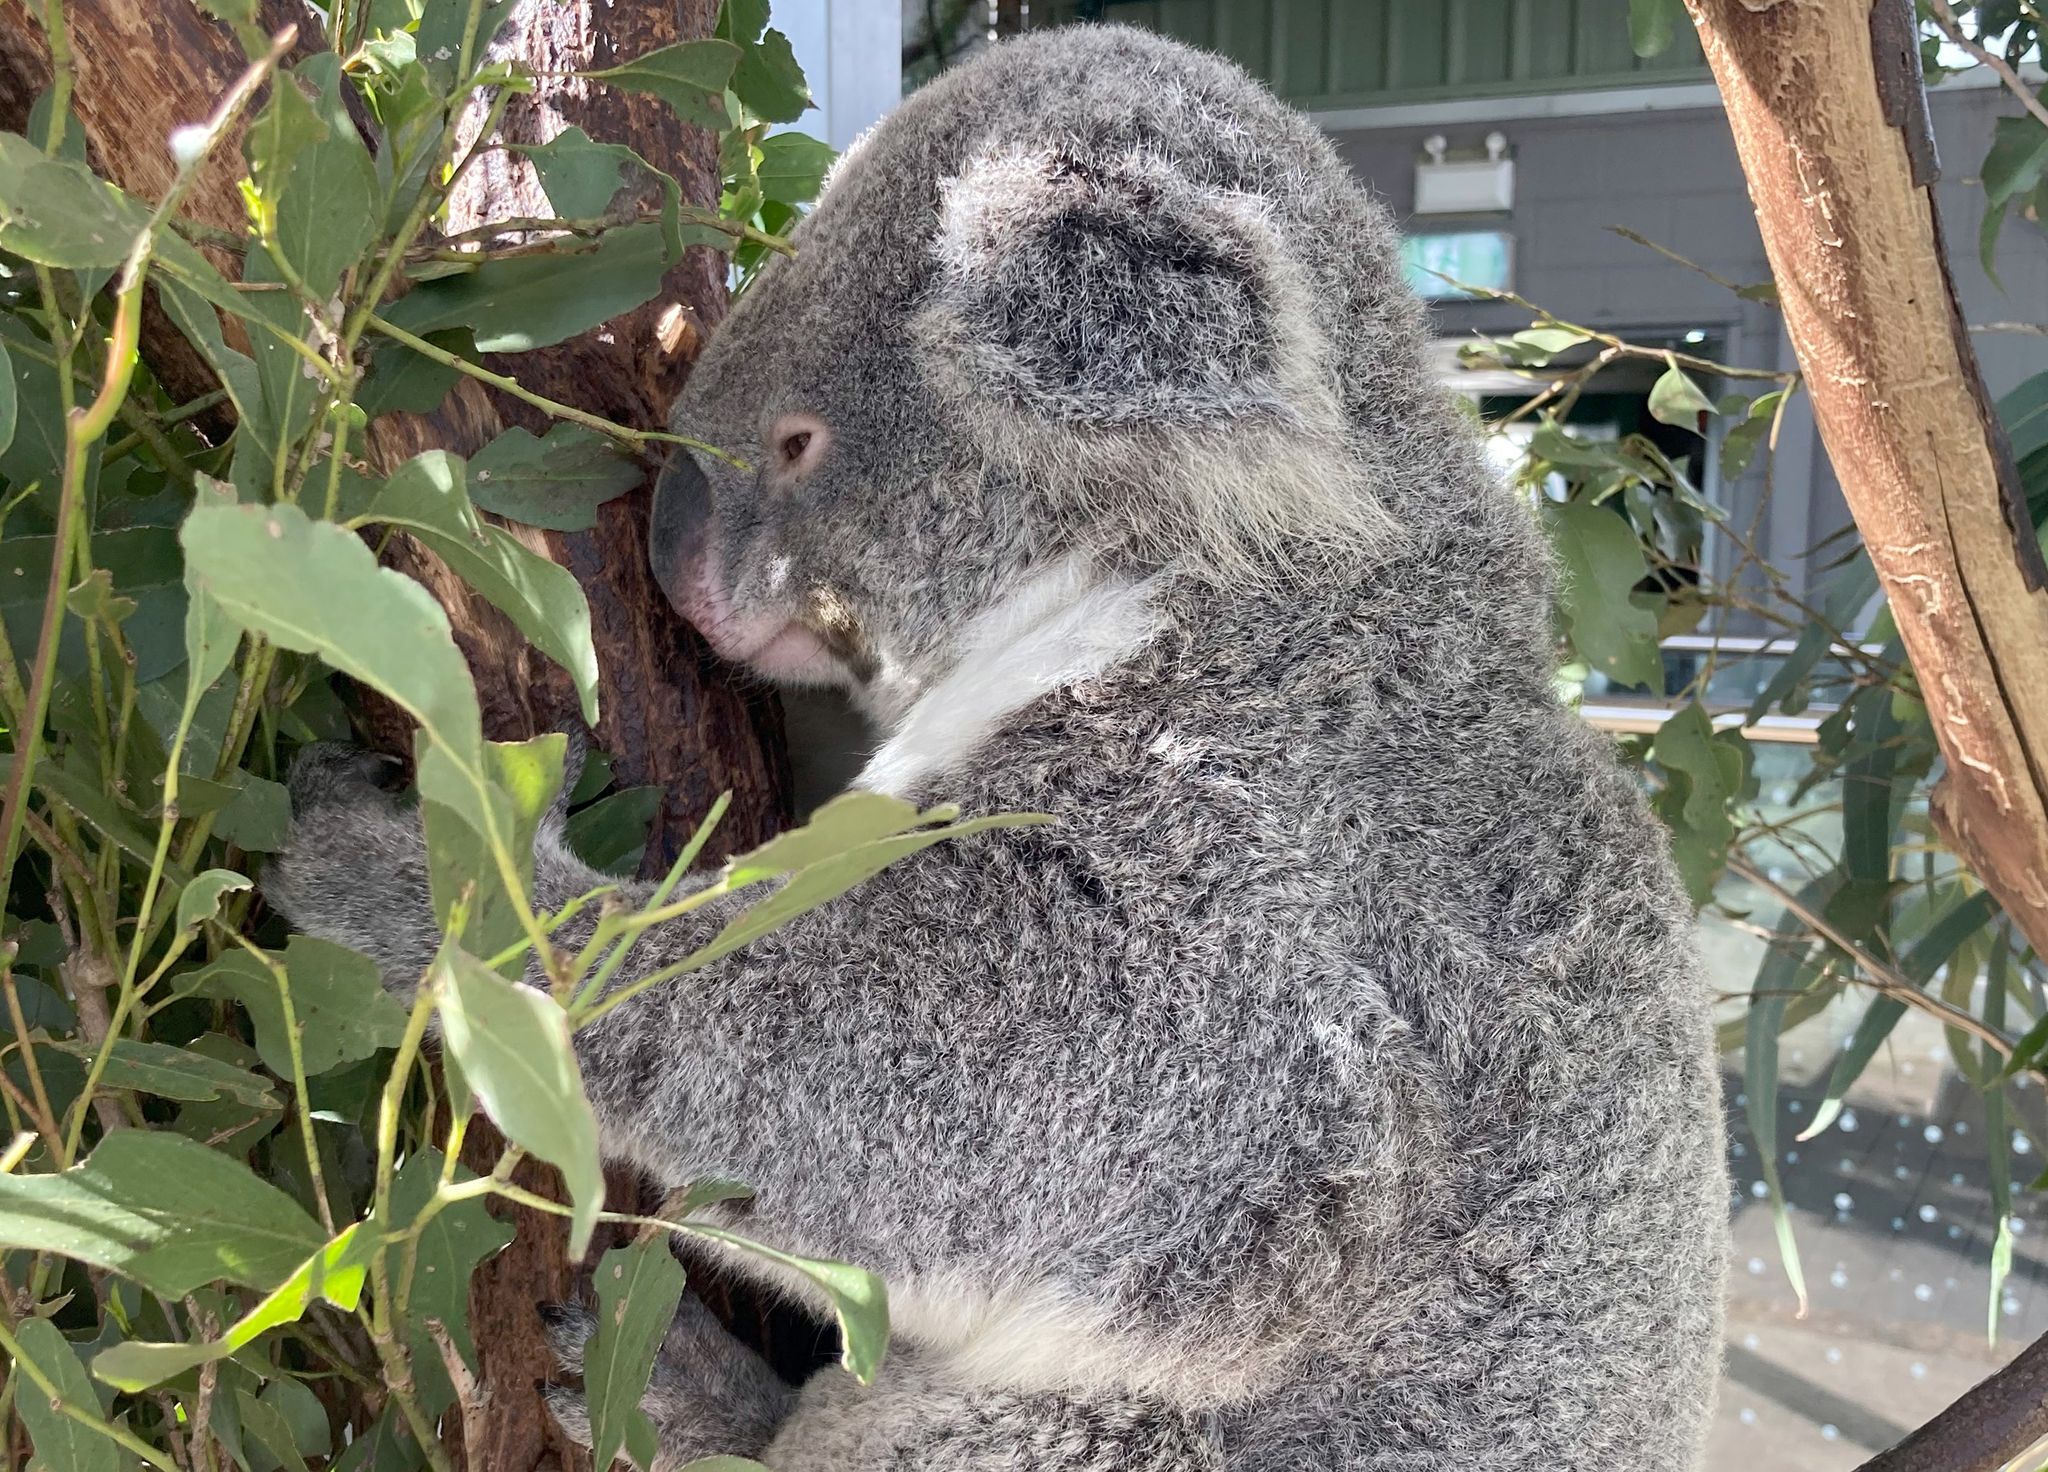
(671, 715)
(1828, 112)
(1825, 103)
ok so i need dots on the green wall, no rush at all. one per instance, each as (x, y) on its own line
(1324, 54)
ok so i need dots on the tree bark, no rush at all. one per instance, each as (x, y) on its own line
(1826, 116)
(1828, 112)
(671, 715)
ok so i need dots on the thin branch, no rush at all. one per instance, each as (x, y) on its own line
(2037, 329)
(1952, 28)
(1876, 975)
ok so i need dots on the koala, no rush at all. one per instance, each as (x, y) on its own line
(1331, 1085)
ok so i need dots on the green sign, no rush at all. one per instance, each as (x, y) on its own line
(1444, 266)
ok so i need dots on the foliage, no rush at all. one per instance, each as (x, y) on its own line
(234, 1225)
(1870, 897)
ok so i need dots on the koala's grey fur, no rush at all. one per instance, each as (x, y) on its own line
(1332, 1087)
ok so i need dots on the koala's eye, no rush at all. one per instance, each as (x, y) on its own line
(794, 444)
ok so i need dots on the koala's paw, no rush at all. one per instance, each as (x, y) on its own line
(709, 1394)
(353, 867)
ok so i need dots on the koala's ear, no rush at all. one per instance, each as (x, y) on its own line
(1146, 351)
(1112, 292)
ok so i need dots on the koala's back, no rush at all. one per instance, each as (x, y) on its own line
(1449, 1148)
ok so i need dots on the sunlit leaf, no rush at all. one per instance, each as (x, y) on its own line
(690, 76)
(513, 1044)
(161, 1210)
(428, 496)
(335, 1272)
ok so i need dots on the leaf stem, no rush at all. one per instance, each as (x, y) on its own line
(549, 406)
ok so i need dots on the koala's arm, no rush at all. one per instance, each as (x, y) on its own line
(858, 1067)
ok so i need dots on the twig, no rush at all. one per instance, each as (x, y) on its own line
(2038, 329)
(558, 410)
(474, 1399)
(1952, 28)
(1992, 1424)
(1877, 975)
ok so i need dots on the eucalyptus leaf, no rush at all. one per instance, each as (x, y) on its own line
(173, 1073)
(638, 1288)
(859, 1299)
(793, 167)
(344, 1014)
(59, 213)
(690, 76)
(1676, 400)
(1602, 563)
(556, 481)
(334, 1271)
(769, 82)
(512, 1042)
(540, 298)
(450, 1247)
(200, 900)
(159, 1209)
(428, 496)
(62, 1443)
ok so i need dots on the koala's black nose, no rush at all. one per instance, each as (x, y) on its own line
(681, 520)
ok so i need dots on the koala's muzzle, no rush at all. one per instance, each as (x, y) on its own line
(680, 526)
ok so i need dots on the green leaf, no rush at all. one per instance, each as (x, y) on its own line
(343, 1011)
(690, 77)
(462, 867)
(1602, 562)
(1652, 24)
(768, 81)
(859, 1299)
(512, 1043)
(326, 214)
(58, 213)
(257, 817)
(741, 21)
(427, 496)
(826, 879)
(228, 1124)
(386, 1447)
(400, 379)
(1713, 765)
(9, 406)
(1740, 444)
(1964, 919)
(557, 481)
(845, 822)
(638, 1288)
(450, 1246)
(611, 835)
(1785, 971)
(268, 1430)
(1675, 399)
(335, 1271)
(315, 588)
(159, 1209)
(542, 297)
(2015, 164)
(793, 167)
(61, 1443)
(173, 1073)
(200, 901)
(580, 177)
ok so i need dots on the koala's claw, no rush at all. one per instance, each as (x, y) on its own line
(708, 1393)
(568, 1327)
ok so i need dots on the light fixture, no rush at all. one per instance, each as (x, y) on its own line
(1464, 186)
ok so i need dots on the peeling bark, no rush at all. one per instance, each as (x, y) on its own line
(1821, 96)
(1856, 248)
